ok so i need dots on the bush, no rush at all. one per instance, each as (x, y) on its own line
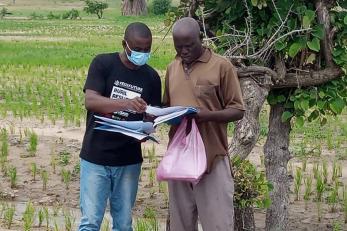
(34, 15)
(161, 6)
(95, 7)
(53, 16)
(72, 14)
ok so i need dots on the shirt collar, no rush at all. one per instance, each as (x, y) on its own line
(205, 57)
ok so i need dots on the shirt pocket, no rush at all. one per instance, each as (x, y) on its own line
(205, 90)
(207, 96)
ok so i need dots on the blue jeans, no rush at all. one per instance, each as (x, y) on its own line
(100, 183)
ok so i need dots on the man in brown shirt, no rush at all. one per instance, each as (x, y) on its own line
(200, 78)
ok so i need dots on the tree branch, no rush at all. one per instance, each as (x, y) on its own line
(324, 18)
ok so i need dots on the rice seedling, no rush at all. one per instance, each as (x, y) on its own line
(28, 216)
(162, 187)
(149, 213)
(69, 220)
(54, 163)
(315, 170)
(304, 164)
(12, 173)
(308, 190)
(66, 177)
(3, 165)
(320, 188)
(151, 177)
(337, 226)
(141, 225)
(33, 141)
(333, 198)
(46, 216)
(297, 183)
(33, 169)
(335, 172)
(41, 216)
(325, 171)
(64, 158)
(105, 226)
(44, 177)
(339, 170)
(4, 143)
(56, 209)
(151, 154)
(8, 216)
(344, 205)
(56, 226)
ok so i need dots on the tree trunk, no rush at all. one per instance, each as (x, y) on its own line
(134, 7)
(247, 130)
(244, 219)
(276, 159)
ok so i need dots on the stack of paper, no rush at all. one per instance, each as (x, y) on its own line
(142, 130)
(171, 115)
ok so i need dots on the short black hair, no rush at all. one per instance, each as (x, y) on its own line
(138, 29)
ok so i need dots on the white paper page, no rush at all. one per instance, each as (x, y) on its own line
(120, 127)
(132, 125)
(156, 111)
(135, 135)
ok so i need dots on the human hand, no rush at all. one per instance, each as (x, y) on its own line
(136, 104)
(149, 118)
(203, 115)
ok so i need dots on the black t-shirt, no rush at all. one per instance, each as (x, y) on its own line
(108, 76)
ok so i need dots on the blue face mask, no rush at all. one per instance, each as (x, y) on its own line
(137, 58)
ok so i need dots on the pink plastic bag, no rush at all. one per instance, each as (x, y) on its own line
(185, 158)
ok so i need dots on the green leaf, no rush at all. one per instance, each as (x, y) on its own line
(272, 99)
(286, 116)
(314, 44)
(254, 2)
(305, 105)
(318, 31)
(281, 98)
(321, 94)
(280, 45)
(337, 105)
(299, 121)
(345, 20)
(308, 18)
(294, 49)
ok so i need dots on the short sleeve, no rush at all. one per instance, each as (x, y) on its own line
(95, 78)
(230, 87)
(166, 97)
(155, 99)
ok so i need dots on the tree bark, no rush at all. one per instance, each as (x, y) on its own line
(247, 130)
(276, 159)
(134, 7)
(324, 19)
(244, 219)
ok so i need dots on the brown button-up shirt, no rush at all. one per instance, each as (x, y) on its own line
(210, 83)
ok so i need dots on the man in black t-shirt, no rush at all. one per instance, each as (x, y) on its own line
(119, 86)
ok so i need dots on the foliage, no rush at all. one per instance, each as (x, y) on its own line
(72, 14)
(160, 6)
(53, 16)
(95, 7)
(3, 12)
(296, 36)
(251, 186)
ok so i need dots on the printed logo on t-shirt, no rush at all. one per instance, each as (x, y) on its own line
(122, 90)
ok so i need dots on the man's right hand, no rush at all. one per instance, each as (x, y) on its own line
(136, 104)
